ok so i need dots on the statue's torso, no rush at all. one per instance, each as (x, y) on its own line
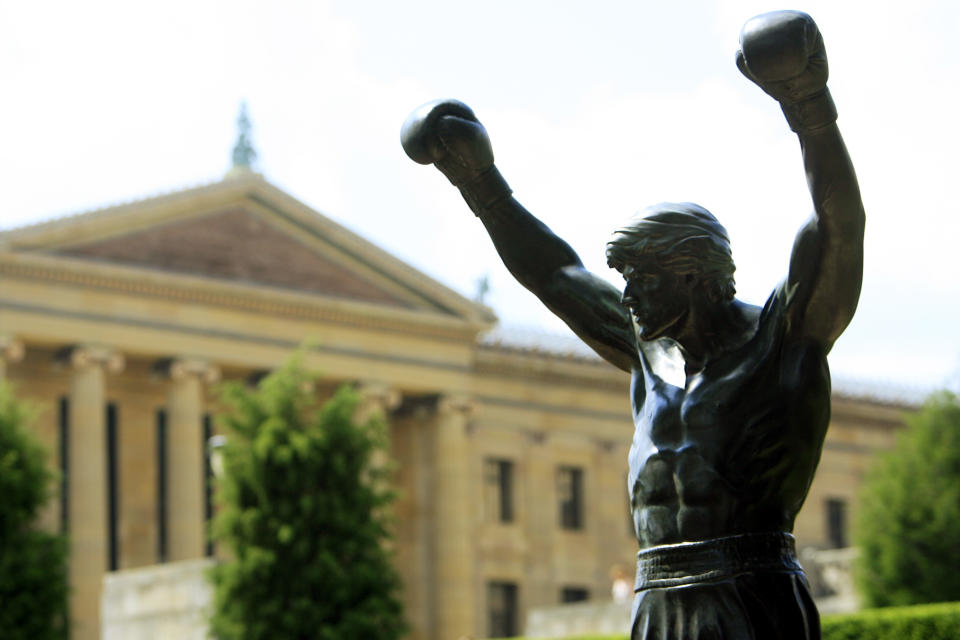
(734, 451)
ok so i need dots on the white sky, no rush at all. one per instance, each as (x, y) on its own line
(595, 111)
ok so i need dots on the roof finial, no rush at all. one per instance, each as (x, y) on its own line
(483, 288)
(244, 155)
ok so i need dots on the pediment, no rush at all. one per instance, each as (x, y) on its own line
(243, 231)
(237, 245)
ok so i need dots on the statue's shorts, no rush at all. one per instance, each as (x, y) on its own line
(747, 587)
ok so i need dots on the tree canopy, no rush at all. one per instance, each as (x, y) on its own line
(303, 512)
(908, 527)
(33, 563)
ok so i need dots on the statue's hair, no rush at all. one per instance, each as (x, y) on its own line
(684, 238)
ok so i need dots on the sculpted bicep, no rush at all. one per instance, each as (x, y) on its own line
(591, 308)
(804, 260)
(826, 271)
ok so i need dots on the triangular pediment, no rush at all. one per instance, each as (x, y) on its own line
(237, 245)
(244, 231)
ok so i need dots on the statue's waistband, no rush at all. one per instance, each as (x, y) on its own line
(673, 565)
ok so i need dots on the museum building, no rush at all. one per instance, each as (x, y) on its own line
(510, 458)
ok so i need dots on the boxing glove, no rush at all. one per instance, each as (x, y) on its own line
(447, 134)
(782, 52)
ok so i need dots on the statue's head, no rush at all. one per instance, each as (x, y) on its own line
(683, 238)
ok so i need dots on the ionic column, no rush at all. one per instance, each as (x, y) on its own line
(455, 597)
(541, 522)
(11, 350)
(185, 457)
(377, 399)
(611, 511)
(87, 484)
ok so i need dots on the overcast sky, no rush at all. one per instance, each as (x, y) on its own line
(595, 110)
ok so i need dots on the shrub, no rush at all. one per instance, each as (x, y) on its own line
(304, 517)
(33, 564)
(604, 637)
(919, 622)
(908, 528)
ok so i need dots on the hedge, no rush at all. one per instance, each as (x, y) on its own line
(919, 622)
(602, 637)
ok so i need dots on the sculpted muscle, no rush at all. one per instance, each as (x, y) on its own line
(783, 53)
(448, 134)
(730, 401)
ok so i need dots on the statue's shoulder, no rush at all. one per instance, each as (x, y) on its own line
(769, 324)
(774, 316)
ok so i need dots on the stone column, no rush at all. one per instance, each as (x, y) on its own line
(412, 444)
(377, 399)
(186, 533)
(541, 525)
(611, 513)
(87, 484)
(454, 581)
(11, 350)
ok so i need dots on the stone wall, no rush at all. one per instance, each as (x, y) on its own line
(157, 602)
(579, 619)
(830, 574)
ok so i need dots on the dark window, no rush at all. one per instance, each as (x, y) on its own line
(570, 497)
(207, 481)
(574, 594)
(113, 494)
(837, 523)
(502, 604)
(64, 429)
(498, 489)
(161, 428)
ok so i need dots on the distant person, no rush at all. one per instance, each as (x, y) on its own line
(621, 589)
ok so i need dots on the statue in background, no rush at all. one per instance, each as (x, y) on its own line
(731, 401)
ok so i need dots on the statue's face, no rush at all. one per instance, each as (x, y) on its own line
(658, 298)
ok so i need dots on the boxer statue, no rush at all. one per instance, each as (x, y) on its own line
(724, 453)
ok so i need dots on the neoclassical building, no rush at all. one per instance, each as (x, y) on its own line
(511, 459)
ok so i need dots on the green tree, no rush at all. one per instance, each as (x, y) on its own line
(304, 516)
(908, 528)
(33, 563)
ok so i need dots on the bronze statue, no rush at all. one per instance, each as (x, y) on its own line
(723, 457)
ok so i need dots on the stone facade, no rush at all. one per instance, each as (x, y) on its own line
(158, 602)
(578, 620)
(511, 461)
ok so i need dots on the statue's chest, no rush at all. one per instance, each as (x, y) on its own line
(687, 436)
(678, 451)
(673, 418)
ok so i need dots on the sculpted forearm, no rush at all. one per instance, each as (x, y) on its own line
(840, 219)
(448, 135)
(528, 248)
(783, 53)
(548, 267)
(833, 184)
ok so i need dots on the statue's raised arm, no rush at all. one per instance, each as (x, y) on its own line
(783, 54)
(447, 134)
(731, 401)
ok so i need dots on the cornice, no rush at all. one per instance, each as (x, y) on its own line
(62, 229)
(149, 283)
(545, 367)
(868, 411)
(541, 366)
